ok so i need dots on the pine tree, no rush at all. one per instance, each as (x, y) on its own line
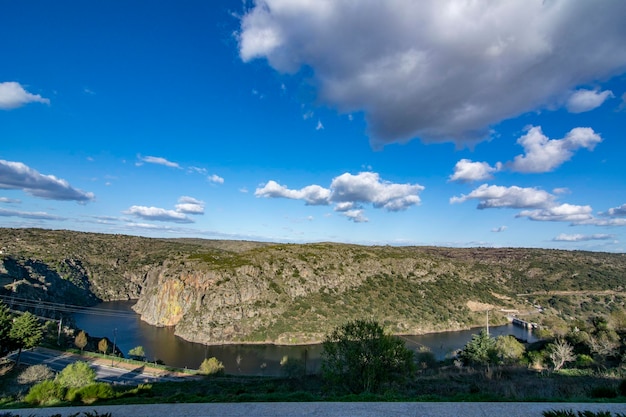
(25, 333)
(6, 322)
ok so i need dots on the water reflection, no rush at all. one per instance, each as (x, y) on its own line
(160, 343)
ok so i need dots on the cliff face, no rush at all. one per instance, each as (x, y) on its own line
(221, 292)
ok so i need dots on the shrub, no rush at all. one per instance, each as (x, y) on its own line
(44, 392)
(35, 373)
(76, 375)
(211, 366)
(90, 393)
(622, 388)
(137, 353)
(603, 392)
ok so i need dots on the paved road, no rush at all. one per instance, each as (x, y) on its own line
(328, 410)
(59, 360)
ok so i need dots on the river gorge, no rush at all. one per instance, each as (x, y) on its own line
(118, 322)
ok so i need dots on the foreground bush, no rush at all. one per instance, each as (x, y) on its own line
(45, 392)
(35, 373)
(76, 375)
(90, 393)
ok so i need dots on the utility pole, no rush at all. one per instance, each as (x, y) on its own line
(59, 333)
(114, 340)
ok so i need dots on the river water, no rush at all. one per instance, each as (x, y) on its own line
(124, 327)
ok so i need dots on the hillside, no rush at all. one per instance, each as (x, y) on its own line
(234, 291)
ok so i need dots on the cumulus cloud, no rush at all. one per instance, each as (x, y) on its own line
(158, 161)
(468, 171)
(440, 70)
(215, 179)
(18, 176)
(563, 237)
(585, 100)
(37, 215)
(158, 214)
(313, 195)
(190, 205)
(13, 95)
(348, 192)
(543, 154)
(495, 196)
(560, 213)
(616, 211)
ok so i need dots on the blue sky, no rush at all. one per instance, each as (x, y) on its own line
(446, 123)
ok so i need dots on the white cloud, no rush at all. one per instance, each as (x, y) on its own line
(348, 192)
(9, 200)
(585, 100)
(560, 213)
(158, 214)
(468, 171)
(563, 237)
(499, 229)
(356, 216)
(544, 155)
(494, 196)
(313, 195)
(215, 179)
(367, 187)
(18, 176)
(158, 161)
(13, 95)
(38, 215)
(440, 70)
(190, 205)
(319, 126)
(616, 211)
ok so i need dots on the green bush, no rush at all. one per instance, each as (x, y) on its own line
(90, 393)
(622, 388)
(76, 375)
(603, 392)
(211, 366)
(45, 392)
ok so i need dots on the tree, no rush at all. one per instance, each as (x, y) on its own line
(360, 357)
(137, 353)
(6, 322)
(80, 341)
(76, 375)
(560, 352)
(25, 333)
(211, 366)
(480, 350)
(508, 350)
(103, 346)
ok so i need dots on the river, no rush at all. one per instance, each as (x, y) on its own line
(127, 330)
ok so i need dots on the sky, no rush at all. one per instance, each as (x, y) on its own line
(440, 122)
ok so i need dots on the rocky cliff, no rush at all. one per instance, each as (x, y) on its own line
(227, 292)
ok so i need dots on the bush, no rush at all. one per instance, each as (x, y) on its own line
(211, 366)
(603, 392)
(360, 357)
(44, 392)
(76, 375)
(35, 373)
(90, 393)
(622, 388)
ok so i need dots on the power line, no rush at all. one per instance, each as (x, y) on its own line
(66, 308)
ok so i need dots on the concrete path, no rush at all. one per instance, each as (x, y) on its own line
(323, 409)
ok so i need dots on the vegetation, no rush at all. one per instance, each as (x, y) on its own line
(103, 346)
(211, 366)
(359, 357)
(81, 340)
(25, 332)
(137, 353)
(76, 375)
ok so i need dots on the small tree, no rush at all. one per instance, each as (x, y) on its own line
(508, 350)
(34, 374)
(103, 346)
(25, 333)
(137, 353)
(362, 358)
(80, 341)
(560, 352)
(480, 350)
(76, 375)
(211, 366)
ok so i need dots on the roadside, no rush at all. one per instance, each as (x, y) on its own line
(322, 409)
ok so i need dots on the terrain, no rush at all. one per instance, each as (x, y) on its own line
(216, 291)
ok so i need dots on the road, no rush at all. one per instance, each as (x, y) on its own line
(320, 409)
(56, 361)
